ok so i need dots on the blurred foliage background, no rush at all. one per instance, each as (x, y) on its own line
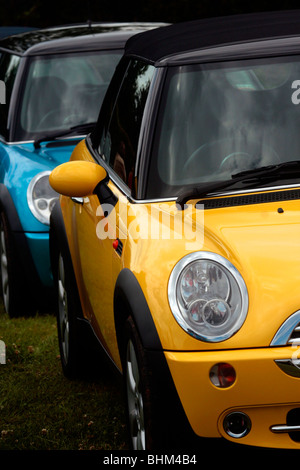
(41, 13)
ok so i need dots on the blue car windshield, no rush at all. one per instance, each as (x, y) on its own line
(63, 91)
(217, 120)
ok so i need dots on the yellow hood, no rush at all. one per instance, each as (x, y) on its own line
(263, 242)
(260, 241)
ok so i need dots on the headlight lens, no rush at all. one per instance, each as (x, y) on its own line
(41, 197)
(208, 296)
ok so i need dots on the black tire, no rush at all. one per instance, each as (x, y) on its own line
(155, 417)
(79, 349)
(136, 400)
(15, 293)
(67, 313)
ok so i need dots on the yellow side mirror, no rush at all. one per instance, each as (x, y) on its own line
(76, 178)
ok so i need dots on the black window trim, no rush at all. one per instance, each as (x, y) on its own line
(125, 190)
(94, 137)
(14, 100)
(148, 130)
(93, 140)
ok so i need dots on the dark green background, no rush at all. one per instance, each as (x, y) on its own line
(43, 13)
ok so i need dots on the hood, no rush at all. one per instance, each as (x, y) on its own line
(263, 242)
(19, 163)
(48, 156)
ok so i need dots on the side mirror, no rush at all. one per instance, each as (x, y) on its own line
(77, 178)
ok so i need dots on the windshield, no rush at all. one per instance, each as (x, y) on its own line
(216, 121)
(64, 91)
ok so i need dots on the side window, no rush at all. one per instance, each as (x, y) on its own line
(8, 69)
(119, 140)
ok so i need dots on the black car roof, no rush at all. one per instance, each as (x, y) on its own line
(180, 38)
(73, 38)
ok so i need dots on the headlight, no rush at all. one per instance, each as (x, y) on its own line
(208, 296)
(41, 197)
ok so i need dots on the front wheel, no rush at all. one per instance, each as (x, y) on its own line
(135, 400)
(155, 417)
(67, 322)
(79, 352)
(16, 297)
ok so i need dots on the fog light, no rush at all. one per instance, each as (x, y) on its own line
(222, 375)
(237, 424)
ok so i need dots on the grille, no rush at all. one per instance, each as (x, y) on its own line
(261, 198)
(295, 336)
(289, 331)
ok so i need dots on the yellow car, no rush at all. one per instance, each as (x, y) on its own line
(177, 237)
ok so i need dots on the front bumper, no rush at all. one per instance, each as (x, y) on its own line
(262, 390)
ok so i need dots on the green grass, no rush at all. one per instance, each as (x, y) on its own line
(42, 410)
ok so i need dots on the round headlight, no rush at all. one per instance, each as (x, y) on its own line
(208, 296)
(41, 197)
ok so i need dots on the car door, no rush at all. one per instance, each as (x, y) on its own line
(101, 220)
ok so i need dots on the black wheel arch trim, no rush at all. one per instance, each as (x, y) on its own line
(129, 299)
(58, 241)
(167, 403)
(7, 205)
(58, 236)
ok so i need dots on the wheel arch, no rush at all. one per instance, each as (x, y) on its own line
(129, 300)
(58, 242)
(37, 295)
(8, 207)
(57, 235)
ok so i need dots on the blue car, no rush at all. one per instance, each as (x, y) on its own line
(52, 85)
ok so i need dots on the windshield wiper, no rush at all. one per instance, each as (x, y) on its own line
(266, 173)
(81, 128)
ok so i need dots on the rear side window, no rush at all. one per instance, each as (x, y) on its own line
(120, 136)
(8, 68)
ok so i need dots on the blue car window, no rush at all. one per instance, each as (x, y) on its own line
(63, 91)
